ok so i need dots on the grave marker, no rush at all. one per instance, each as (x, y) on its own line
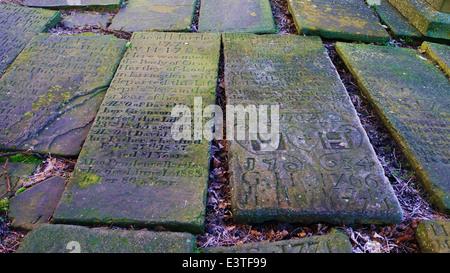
(131, 171)
(434, 236)
(411, 96)
(50, 95)
(324, 168)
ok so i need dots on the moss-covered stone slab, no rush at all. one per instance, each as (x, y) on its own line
(110, 5)
(397, 23)
(344, 19)
(236, 16)
(440, 5)
(434, 236)
(335, 242)
(17, 26)
(48, 238)
(323, 168)
(424, 17)
(155, 15)
(51, 93)
(15, 170)
(131, 170)
(36, 205)
(411, 96)
(439, 53)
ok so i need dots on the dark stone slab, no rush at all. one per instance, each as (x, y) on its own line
(48, 238)
(434, 236)
(343, 19)
(324, 168)
(411, 96)
(397, 23)
(236, 16)
(155, 15)
(131, 171)
(51, 93)
(439, 53)
(36, 205)
(17, 26)
(16, 170)
(424, 17)
(335, 242)
(110, 5)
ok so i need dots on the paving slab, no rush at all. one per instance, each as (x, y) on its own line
(110, 5)
(424, 17)
(131, 170)
(17, 26)
(155, 15)
(335, 242)
(323, 168)
(411, 96)
(434, 236)
(36, 205)
(343, 19)
(85, 18)
(236, 16)
(397, 23)
(51, 93)
(48, 238)
(439, 53)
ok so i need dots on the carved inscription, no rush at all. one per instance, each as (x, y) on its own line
(324, 165)
(434, 236)
(130, 148)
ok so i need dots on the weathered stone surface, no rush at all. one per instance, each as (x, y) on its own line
(18, 169)
(343, 19)
(411, 96)
(48, 238)
(335, 242)
(434, 236)
(17, 26)
(324, 168)
(236, 16)
(440, 5)
(155, 15)
(84, 18)
(131, 171)
(51, 93)
(424, 17)
(398, 24)
(36, 205)
(75, 4)
(438, 53)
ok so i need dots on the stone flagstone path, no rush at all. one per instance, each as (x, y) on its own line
(112, 103)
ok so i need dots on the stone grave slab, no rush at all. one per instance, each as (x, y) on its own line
(424, 17)
(36, 205)
(434, 236)
(85, 18)
(110, 5)
(398, 24)
(51, 93)
(17, 26)
(155, 15)
(411, 96)
(48, 238)
(343, 19)
(440, 5)
(323, 168)
(335, 242)
(236, 16)
(439, 53)
(131, 170)
(17, 169)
